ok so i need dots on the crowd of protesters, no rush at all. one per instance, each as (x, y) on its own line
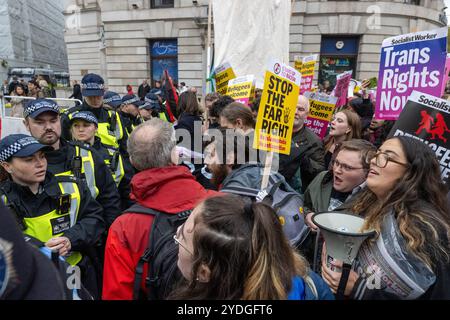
(116, 183)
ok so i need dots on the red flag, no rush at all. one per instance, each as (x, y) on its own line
(171, 95)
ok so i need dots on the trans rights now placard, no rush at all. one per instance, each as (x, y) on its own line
(414, 61)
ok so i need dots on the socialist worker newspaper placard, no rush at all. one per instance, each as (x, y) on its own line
(278, 104)
(414, 61)
(427, 119)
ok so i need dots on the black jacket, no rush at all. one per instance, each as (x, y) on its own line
(102, 116)
(35, 276)
(76, 94)
(124, 185)
(89, 226)
(187, 122)
(129, 121)
(441, 269)
(307, 151)
(143, 90)
(61, 161)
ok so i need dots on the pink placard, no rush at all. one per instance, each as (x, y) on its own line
(319, 127)
(447, 70)
(341, 89)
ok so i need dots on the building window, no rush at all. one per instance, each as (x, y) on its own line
(416, 2)
(155, 4)
(337, 54)
(164, 55)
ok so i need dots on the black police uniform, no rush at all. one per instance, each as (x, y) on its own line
(62, 160)
(124, 185)
(102, 116)
(130, 122)
(26, 273)
(84, 234)
(89, 226)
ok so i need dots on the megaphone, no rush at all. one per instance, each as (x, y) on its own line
(343, 237)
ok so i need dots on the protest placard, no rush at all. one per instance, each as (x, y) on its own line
(223, 74)
(278, 104)
(427, 118)
(298, 61)
(307, 71)
(340, 91)
(446, 73)
(242, 89)
(414, 61)
(321, 108)
(354, 87)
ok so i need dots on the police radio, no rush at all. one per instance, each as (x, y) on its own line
(64, 204)
(112, 123)
(76, 166)
(114, 161)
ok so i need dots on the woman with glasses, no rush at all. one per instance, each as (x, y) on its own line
(345, 126)
(232, 249)
(332, 190)
(405, 203)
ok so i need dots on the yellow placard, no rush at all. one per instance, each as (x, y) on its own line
(307, 68)
(321, 110)
(242, 89)
(298, 62)
(276, 113)
(224, 73)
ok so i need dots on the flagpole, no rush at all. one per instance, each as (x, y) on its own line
(208, 50)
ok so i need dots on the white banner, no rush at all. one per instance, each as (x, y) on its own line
(247, 33)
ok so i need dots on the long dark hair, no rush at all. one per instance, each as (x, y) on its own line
(245, 249)
(419, 203)
(188, 103)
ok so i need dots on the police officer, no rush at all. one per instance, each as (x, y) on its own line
(155, 107)
(112, 100)
(57, 210)
(111, 128)
(130, 112)
(42, 120)
(83, 129)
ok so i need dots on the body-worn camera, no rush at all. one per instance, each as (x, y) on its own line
(64, 204)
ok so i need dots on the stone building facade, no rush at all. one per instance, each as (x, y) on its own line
(32, 35)
(127, 41)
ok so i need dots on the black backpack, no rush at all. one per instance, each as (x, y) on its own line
(161, 254)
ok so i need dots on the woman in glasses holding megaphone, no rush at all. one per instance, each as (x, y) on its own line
(405, 203)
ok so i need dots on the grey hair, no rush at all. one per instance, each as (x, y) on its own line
(150, 144)
(305, 100)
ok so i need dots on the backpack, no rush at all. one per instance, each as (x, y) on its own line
(286, 202)
(161, 254)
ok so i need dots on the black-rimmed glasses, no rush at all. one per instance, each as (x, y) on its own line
(382, 159)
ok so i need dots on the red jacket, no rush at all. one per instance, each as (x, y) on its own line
(170, 189)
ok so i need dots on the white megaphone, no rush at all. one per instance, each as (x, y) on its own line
(343, 236)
